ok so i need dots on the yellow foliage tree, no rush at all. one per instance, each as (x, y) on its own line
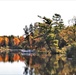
(21, 39)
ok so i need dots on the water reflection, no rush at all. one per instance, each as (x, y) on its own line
(28, 70)
(25, 71)
(43, 63)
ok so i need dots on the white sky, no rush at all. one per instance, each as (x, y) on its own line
(14, 15)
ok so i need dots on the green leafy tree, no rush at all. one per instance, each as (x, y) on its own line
(58, 23)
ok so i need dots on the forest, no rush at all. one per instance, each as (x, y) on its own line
(50, 35)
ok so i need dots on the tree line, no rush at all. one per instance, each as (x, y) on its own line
(47, 35)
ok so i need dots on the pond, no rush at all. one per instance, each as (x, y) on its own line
(37, 64)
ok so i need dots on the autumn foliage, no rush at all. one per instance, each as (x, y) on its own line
(7, 40)
(16, 41)
(50, 34)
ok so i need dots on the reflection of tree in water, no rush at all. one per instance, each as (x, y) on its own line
(51, 65)
(10, 57)
(3, 56)
(28, 69)
(41, 65)
(7, 57)
(25, 71)
(44, 64)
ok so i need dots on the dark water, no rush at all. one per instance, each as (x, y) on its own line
(37, 64)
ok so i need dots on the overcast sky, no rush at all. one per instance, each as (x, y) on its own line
(14, 15)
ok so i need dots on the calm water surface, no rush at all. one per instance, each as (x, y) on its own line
(37, 64)
(15, 68)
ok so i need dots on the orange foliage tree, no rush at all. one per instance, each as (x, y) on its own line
(6, 40)
(1, 40)
(16, 41)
